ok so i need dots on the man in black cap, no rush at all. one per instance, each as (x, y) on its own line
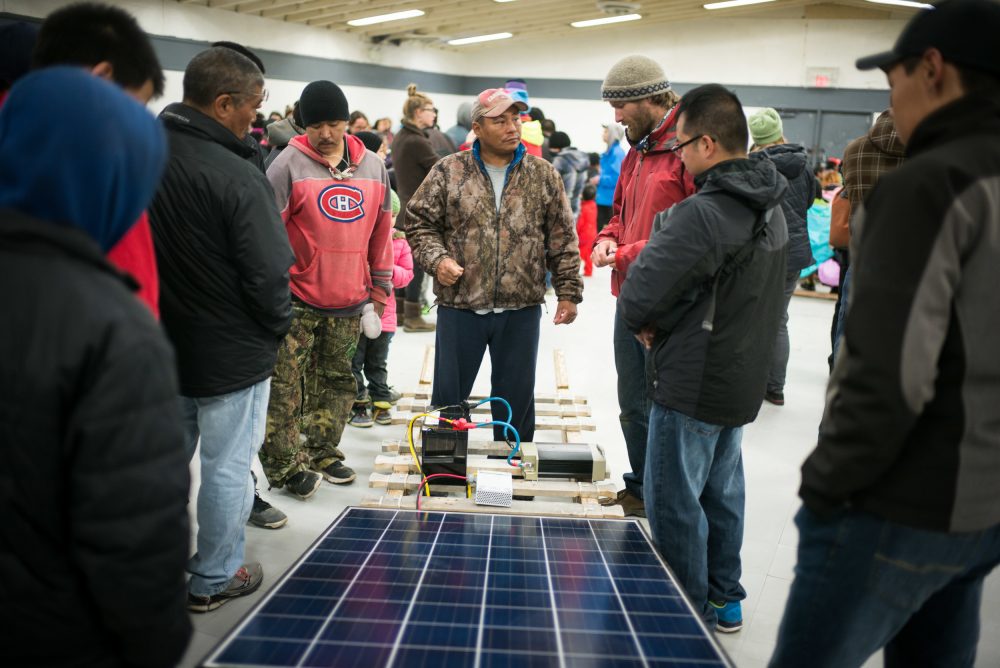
(901, 516)
(334, 199)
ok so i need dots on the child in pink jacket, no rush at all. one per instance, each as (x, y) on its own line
(372, 355)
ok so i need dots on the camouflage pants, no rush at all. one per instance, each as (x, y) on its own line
(311, 394)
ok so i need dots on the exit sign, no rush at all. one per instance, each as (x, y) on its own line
(821, 77)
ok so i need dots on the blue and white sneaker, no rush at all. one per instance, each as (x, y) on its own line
(729, 616)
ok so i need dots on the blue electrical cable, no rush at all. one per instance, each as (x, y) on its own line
(506, 426)
(510, 411)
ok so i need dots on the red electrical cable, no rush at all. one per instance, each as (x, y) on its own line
(435, 475)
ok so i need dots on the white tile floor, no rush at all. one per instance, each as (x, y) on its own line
(774, 447)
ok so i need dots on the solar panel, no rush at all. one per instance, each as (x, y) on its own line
(405, 588)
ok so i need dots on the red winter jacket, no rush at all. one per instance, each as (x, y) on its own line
(651, 181)
(339, 230)
(134, 254)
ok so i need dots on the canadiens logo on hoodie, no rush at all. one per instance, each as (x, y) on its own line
(342, 203)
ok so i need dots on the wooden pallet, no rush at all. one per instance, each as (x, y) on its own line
(563, 412)
(590, 509)
(396, 473)
(562, 395)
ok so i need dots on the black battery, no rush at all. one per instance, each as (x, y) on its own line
(444, 451)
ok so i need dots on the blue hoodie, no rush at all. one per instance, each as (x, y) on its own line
(77, 151)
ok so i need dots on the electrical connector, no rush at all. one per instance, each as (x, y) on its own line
(461, 424)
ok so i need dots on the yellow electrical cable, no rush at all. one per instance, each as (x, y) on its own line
(413, 449)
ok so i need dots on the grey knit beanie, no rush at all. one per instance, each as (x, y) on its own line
(634, 78)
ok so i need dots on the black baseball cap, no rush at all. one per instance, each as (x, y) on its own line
(964, 31)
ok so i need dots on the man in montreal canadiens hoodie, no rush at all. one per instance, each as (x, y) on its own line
(334, 199)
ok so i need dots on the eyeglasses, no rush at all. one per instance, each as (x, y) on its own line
(264, 94)
(677, 148)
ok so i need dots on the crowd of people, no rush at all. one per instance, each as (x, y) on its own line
(210, 282)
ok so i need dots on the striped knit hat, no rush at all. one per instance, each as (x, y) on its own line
(634, 78)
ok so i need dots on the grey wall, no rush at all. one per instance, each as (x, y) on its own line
(822, 119)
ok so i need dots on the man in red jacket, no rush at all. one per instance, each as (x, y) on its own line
(109, 43)
(652, 180)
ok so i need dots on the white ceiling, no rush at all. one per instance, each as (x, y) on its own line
(450, 19)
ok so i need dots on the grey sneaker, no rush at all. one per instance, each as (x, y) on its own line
(339, 474)
(303, 484)
(360, 416)
(246, 581)
(265, 515)
(390, 399)
(381, 415)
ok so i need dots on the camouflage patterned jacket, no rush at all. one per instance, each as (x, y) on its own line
(505, 254)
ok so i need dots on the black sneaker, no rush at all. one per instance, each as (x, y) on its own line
(338, 474)
(776, 398)
(246, 581)
(265, 515)
(303, 484)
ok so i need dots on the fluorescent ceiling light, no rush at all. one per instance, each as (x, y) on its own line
(903, 3)
(479, 38)
(606, 20)
(382, 18)
(733, 3)
(503, 0)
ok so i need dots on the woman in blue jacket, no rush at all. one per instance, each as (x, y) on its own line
(611, 166)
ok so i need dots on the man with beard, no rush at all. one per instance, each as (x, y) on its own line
(652, 180)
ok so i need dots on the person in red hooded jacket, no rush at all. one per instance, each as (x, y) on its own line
(652, 180)
(109, 43)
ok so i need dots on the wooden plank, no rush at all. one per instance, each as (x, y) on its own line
(418, 406)
(427, 370)
(562, 375)
(423, 394)
(450, 503)
(404, 464)
(475, 448)
(588, 491)
(815, 294)
(542, 422)
(392, 447)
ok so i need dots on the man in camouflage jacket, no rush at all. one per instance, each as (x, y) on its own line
(487, 224)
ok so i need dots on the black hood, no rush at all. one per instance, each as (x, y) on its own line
(790, 159)
(755, 181)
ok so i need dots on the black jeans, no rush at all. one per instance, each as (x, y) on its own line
(512, 337)
(412, 290)
(603, 216)
(370, 359)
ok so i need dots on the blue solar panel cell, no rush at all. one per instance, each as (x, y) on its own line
(437, 589)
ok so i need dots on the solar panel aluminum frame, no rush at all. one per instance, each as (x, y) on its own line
(233, 634)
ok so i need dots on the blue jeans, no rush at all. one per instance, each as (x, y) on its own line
(633, 402)
(694, 501)
(862, 583)
(231, 427)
